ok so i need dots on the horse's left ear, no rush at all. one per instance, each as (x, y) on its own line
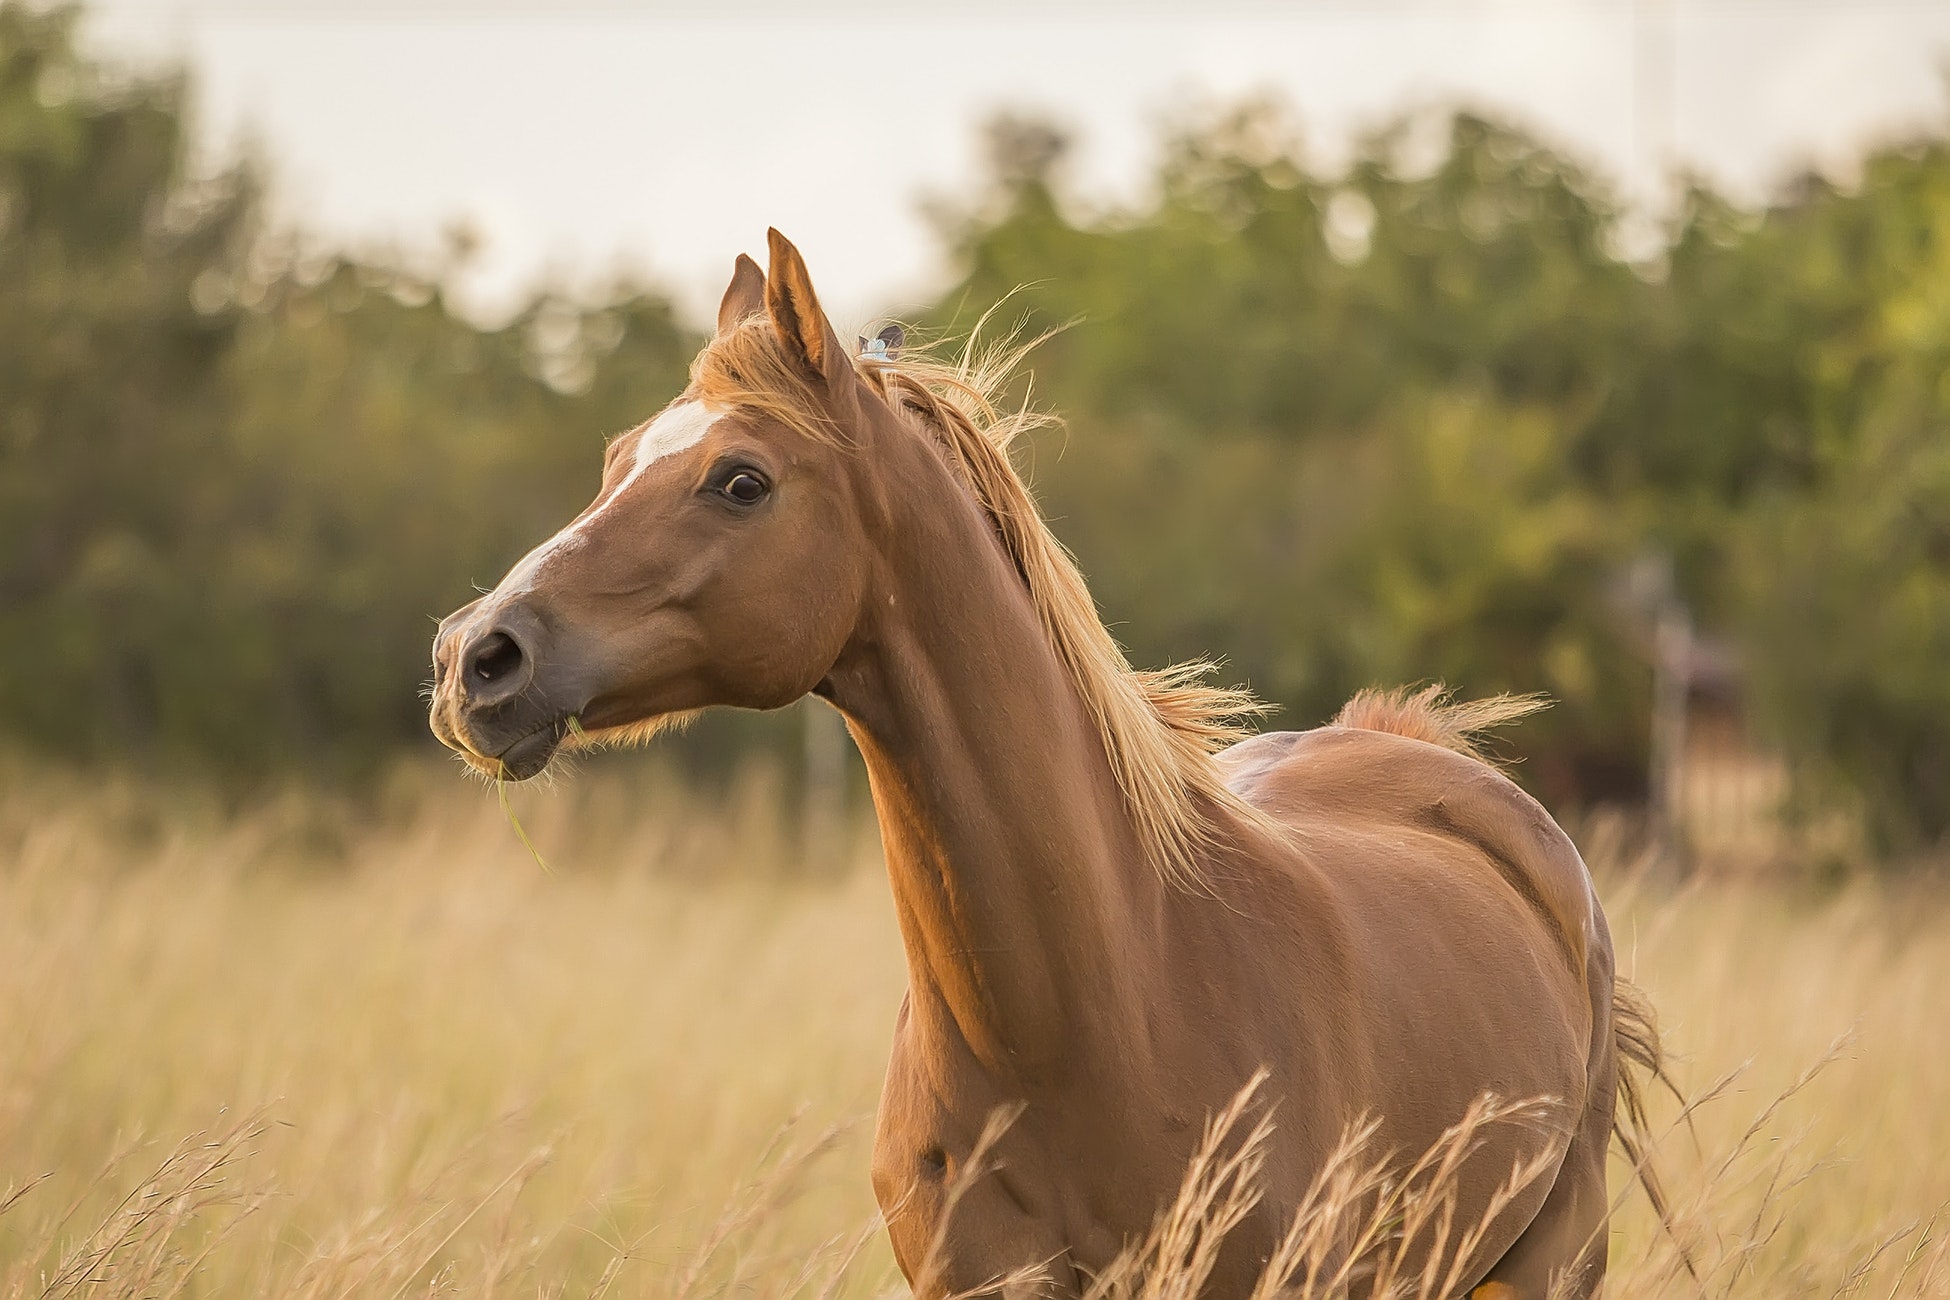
(795, 313)
(744, 297)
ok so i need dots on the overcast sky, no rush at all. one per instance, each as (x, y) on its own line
(588, 135)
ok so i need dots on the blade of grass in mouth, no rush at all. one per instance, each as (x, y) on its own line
(508, 811)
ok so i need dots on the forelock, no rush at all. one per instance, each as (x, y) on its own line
(749, 368)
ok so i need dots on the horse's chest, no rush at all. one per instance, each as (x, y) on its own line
(973, 1180)
(982, 1181)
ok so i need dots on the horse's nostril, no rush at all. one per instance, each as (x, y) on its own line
(491, 659)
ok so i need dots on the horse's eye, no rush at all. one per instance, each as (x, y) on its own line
(745, 487)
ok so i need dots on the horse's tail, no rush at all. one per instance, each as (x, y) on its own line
(1430, 715)
(1641, 1064)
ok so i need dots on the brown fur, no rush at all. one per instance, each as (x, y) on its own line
(1160, 728)
(1379, 922)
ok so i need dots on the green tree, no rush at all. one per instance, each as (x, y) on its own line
(1843, 572)
(109, 376)
(236, 487)
(1333, 428)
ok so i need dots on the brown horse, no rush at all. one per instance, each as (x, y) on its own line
(1113, 914)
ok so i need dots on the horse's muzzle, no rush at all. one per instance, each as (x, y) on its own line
(492, 703)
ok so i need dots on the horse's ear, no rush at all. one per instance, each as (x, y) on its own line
(796, 315)
(744, 297)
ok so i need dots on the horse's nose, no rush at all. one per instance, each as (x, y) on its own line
(453, 630)
(494, 667)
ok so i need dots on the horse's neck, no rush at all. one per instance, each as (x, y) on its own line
(1020, 886)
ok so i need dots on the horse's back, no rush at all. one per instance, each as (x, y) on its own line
(1346, 794)
(1479, 960)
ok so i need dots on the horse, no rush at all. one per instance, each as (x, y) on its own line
(1117, 907)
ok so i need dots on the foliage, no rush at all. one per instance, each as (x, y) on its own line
(1842, 565)
(237, 479)
(1424, 420)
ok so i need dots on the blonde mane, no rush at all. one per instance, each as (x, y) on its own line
(1161, 728)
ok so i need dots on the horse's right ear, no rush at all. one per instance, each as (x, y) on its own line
(802, 325)
(744, 296)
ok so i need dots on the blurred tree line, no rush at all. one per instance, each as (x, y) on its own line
(1420, 419)
(238, 479)
(1425, 419)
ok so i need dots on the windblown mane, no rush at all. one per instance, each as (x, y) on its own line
(1159, 728)
(1430, 715)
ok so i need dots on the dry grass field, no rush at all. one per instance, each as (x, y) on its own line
(311, 1049)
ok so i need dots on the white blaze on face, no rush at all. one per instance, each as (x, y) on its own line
(678, 429)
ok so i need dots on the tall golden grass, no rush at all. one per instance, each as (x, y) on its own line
(311, 1048)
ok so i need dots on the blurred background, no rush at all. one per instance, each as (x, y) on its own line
(1593, 349)
(1587, 347)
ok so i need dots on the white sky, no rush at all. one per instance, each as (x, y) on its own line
(588, 135)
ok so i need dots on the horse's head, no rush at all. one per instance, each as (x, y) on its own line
(722, 562)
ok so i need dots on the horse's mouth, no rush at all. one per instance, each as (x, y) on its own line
(530, 755)
(526, 756)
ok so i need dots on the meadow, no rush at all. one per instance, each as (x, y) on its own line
(306, 1046)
